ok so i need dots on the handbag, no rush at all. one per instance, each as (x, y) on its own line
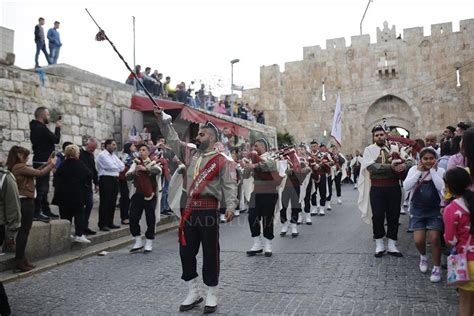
(458, 272)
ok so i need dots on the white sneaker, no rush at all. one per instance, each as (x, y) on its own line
(222, 218)
(300, 218)
(392, 248)
(294, 230)
(82, 239)
(237, 213)
(138, 244)
(211, 300)
(267, 244)
(313, 210)
(379, 248)
(193, 297)
(423, 265)
(284, 228)
(435, 275)
(307, 219)
(355, 186)
(339, 201)
(321, 211)
(148, 245)
(328, 206)
(257, 246)
(402, 211)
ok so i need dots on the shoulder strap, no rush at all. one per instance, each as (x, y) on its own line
(2, 179)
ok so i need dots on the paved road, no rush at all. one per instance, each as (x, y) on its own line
(328, 270)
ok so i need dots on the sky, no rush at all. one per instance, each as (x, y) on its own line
(197, 39)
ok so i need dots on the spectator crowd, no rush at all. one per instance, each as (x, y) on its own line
(188, 95)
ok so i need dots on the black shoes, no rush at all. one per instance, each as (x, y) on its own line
(395, 254)
(183, 308)
(89, 231)
(379, 254)
(104, 229)
(51, 215)
(41, 217)
(252, 253)
(210, 309)
(112, 226)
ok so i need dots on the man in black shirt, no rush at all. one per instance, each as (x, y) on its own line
(87, 156)
(40, 42)
(43, 141)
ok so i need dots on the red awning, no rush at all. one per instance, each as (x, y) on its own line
(143, 103)
(196, 116)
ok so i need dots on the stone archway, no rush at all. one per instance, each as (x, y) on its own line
(395, 110)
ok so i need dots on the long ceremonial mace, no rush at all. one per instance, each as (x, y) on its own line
(101, 37)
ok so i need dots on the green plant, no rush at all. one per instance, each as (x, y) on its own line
(285, 138)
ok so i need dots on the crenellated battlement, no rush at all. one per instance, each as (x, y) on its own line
(388, 36)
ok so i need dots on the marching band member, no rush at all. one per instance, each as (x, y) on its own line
(296, 173)
(355, 166)
(320, 161)
(339, 170)
(264, 197)
(380, 193)
(325, 154)
(144, 173)
(208, 175)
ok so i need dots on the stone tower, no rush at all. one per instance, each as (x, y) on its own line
(411, 81)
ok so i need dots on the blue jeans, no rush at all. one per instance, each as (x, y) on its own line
(164, 196)
(41, 47)
(54, 54)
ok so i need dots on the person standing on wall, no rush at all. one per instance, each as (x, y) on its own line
(54, 43)
(43, 143)
(40, 42)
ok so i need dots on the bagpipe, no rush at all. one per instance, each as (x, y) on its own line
(408, 148)
(287, 153)
(319, 163)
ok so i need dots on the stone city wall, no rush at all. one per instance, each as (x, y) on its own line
(411, 81)
(89, 104)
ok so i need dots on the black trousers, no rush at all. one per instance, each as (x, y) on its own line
(42, 190)
(385, 203)
(138, 204)
(290, 194)
(337, 182)
(124, 200)
(4, 305)
(77, 212)
(202, 227)
(321, 187)
(329, 179)
(89, 203)
(108, 191)
(356, 172)
(27, 211)
(262, 208)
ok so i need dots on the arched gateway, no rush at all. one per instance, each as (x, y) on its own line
(398, 114)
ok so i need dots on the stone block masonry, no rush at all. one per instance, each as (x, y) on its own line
(411, 81)
(89, 104)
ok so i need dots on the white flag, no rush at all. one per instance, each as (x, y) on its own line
(336, 131)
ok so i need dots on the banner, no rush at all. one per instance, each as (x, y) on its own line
(336, 131)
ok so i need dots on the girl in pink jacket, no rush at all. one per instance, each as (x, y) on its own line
(458, 219)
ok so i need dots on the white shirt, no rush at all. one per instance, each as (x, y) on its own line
(108, 164)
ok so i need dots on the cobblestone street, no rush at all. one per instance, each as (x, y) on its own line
(328, 270)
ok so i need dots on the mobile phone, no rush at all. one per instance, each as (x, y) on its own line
(60, 118)
(53, 154)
